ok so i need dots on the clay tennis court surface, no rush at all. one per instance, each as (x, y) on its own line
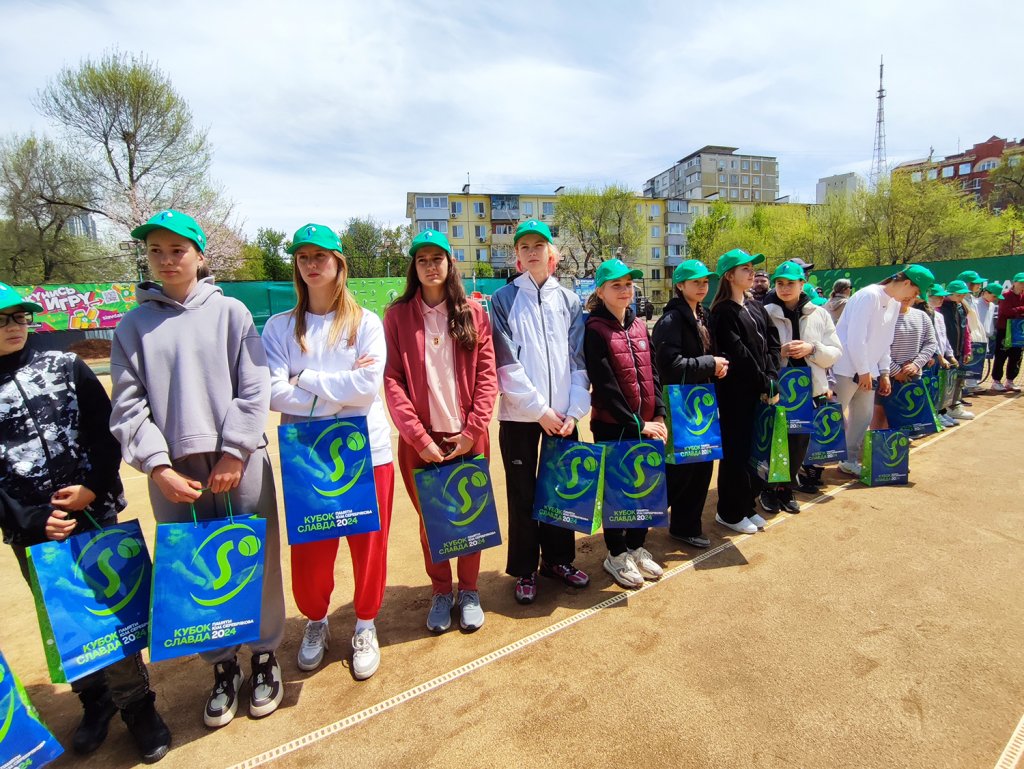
(878, 628)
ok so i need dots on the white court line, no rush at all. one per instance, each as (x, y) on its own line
(1011, 756)
(434, 683)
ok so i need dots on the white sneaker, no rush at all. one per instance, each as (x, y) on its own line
(743, 527)
(959, 413)
(946, 421)
(850, 468)
(645, 563)
(758, 521)
(997, 387)
(365, 654)
(623, 570)
(315, 642)
(1011, 386)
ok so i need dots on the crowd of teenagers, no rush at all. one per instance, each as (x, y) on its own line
(193, 383)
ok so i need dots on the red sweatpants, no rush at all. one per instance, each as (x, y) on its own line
(440, 573)
(313, 562)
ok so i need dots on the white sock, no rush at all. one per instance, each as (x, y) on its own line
(364, 624)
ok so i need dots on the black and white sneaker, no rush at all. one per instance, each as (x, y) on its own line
(223, 702)
(265, 687)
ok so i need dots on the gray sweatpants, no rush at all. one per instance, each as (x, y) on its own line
(255, 495)
(858, 406)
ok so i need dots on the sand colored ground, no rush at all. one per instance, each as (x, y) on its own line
(878, 628)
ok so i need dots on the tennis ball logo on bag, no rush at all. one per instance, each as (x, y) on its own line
(699, 409)
(576, 472)
(895, 449)
(763, 431)
(462, 504)
(327, 453)
(826, 426)
(911, 401)
(634, 468)
(234, 550)
(792, 398)
(112, 569)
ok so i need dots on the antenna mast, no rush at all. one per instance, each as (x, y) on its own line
(879, 168)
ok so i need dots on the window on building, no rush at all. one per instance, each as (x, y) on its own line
(501, 255)
(757, 194)
(456, 206)
(655, 252)
(458, 230)
(734, 193)
(721, 165)
(965, 168)
(459, 254)
(504, 229)
(479, 231)
(1014, 161)
(987, 165)
(744, 179)
(732, 164)
(721, 178)
(675, 228)
(547, 209)
(528, 209)
(481, 255)
(933, 174)
(431, 201)
(916, 176)
(947, 172)
(478, 208)
(655, 231)
(655, 209)
(745, 165)
(656, 273)
(676, 206)
(746, 194)
(675, 250)
(734, 179)
(757, 165)
(755, 180)
(441, 225)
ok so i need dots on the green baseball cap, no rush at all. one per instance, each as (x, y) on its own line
(994, 288)
(970, 276)
(532, 227)
(10, 298)
(691, 269)
(176, 222)
(315, 235)
(937, 290)
(790, 270)
(920, 276)
(1018, 278)
(957, 287)
(735, 258)
(613, 269)
(430, 238)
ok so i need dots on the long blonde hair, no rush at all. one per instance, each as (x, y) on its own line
(347, 312)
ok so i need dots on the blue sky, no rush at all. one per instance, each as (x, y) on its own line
(319, 111)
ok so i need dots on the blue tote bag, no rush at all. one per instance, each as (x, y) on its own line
(327, 479)
(909, 408)
(457, 504)
(1014, 333)
(207, 585)
(24, 741)
(828, 441)
(795, 399)
(570, 484)
(92, 598)
(886, 458)
(635, 491)
(694, 432)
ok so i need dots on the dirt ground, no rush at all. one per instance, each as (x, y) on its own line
(878, 628)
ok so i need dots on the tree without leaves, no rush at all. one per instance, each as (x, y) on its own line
(597, 224)
(1008, 182)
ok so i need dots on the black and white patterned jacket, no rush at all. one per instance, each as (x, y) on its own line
(54, 433)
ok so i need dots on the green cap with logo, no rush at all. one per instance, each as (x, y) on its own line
(957, 287)
(1018, 278)
(736, 258)
(812, 293)
(937, 290)
(176, 222)
(994, 288)
(613, 269)
(532, 227)
(921, 277)
(10, 299)
(970, 276)
(691, 269)
(430, 238)
(790, 270)
(319, 235)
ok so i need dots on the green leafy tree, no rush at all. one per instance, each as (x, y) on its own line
(597, 224)
(374, 250)
(706, 230)
(1008, 182)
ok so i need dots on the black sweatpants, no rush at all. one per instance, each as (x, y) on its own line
(519, 443)
(1008, 357)
(687, 493)
(619, 540)
(738, 486)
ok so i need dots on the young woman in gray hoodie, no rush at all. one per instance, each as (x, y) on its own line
(191, 397)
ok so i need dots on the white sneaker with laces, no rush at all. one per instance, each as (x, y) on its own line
(645, 563)
(743, 527)
(959, 413)
(365, 654)
(315, 642)
(1011, 386)
(850, 468)
(758, 521)
(623, 570)
(997, 387)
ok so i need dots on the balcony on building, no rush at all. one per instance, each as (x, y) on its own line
(504, 208)
(674, 261)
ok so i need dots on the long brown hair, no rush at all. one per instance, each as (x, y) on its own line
(701, 316)
(347, 312)
(461, 327)
(724, 291)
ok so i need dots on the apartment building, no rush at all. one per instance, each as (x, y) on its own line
(845, 185)
(968, 170)
(717, 173)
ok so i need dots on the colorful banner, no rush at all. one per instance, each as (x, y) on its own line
(694, 433)
(570, 485)
(828, 441)
(795, 398)
(24, 741)
(207, 585)
(635, 490)
(92, 598)
(81, 306)
(327, 479)
(457, 504)
(886, 458)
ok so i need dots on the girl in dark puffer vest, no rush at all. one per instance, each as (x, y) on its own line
(626, 403)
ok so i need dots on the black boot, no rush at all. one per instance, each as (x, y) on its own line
(151, 734)
(99, 709)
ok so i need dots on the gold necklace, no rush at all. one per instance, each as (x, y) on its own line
(436, 339)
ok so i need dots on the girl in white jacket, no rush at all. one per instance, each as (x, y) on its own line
(808, 338)
(327, 359)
